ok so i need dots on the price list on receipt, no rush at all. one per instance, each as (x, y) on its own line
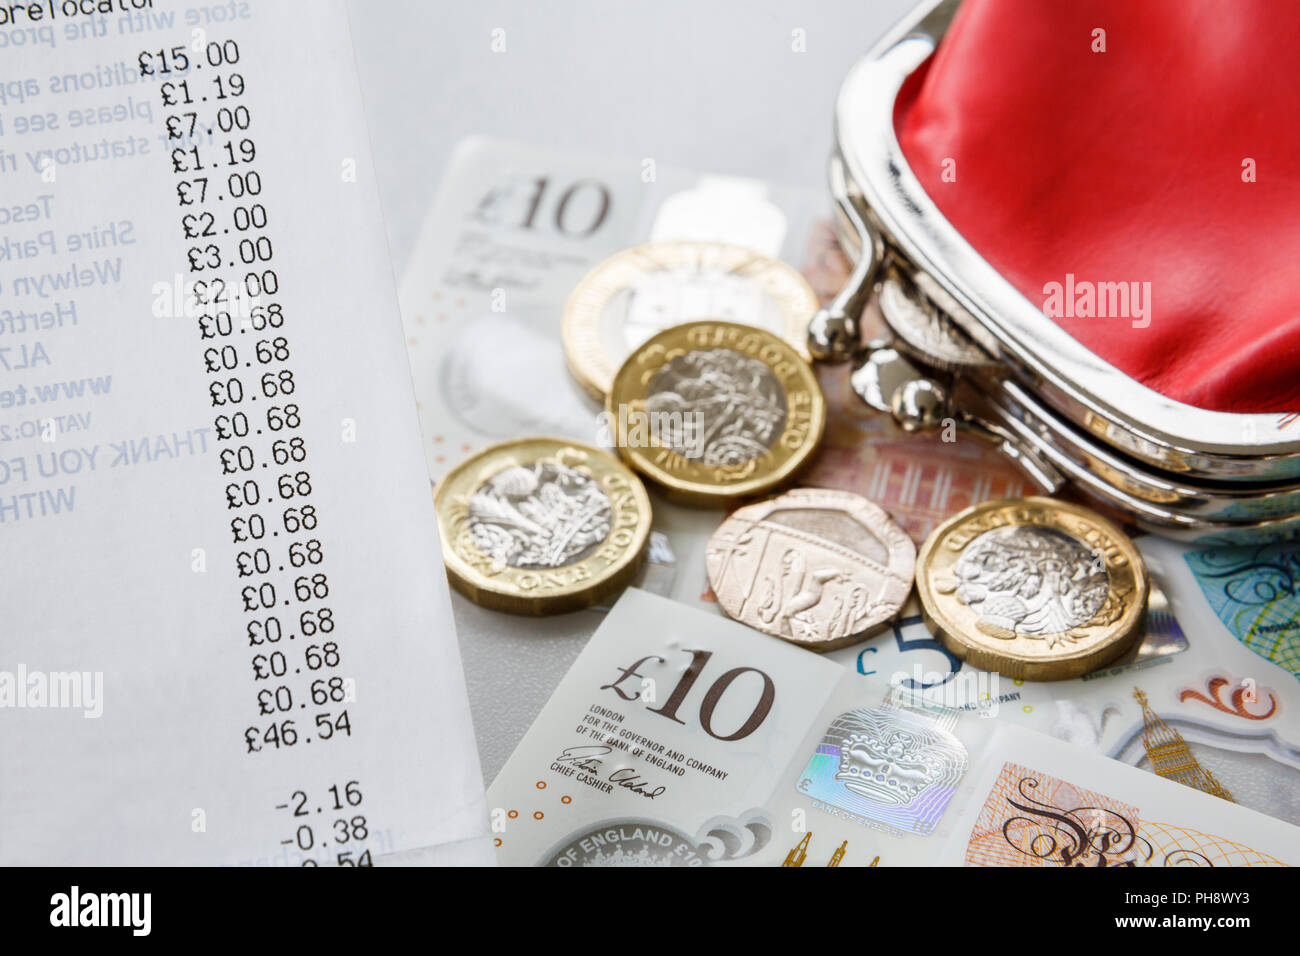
(225, 635)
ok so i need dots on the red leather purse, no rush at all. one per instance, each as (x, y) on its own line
(1152, 142)
(1078, 221)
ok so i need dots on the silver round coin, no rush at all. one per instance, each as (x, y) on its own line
(816, 567)
(637, 293)
(926, 331)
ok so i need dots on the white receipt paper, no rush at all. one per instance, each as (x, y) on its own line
(225, 635)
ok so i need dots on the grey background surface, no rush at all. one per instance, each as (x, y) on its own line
(710, 86)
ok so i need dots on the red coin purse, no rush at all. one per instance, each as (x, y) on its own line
(1079, 221)
(1153, 144)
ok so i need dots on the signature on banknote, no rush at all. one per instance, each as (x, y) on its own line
(587, 759)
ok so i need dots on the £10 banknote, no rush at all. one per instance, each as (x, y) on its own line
(679, 738)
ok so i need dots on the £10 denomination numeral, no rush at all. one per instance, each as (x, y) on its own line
(712, 697)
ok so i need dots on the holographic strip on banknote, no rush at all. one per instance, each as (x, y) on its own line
(886, 766)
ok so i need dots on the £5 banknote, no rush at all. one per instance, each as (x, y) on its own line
(1194, 702)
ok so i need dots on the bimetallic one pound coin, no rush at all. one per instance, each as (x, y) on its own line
(1032, 588)
(541, 525)
(715, 412)
(636, 293)
(816, 567)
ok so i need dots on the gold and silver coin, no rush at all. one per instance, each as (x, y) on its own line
(1033, 588)
(816, 567)
(541, 525)
(715, 412)
(641, 291)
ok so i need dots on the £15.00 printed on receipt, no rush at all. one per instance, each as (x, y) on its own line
(224, 626)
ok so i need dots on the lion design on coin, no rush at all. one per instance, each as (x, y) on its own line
(544, 515)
